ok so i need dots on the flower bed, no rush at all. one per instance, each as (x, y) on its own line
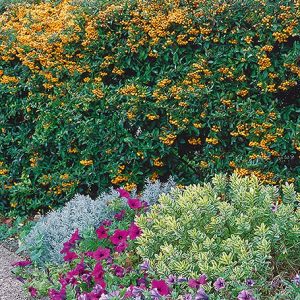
(141, 253)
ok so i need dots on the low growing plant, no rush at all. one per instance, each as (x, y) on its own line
(95, 261)
(46, 238)
(236, 229)
(15, 228)
(104, 264)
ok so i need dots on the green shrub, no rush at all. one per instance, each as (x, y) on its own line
(235, 229)
(94, 93)
(18, 228)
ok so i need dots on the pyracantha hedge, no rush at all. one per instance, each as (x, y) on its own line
(94, 93)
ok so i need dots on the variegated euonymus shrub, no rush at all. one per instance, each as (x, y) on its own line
(233, 228)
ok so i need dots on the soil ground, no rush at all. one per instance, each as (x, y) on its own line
(10, 288)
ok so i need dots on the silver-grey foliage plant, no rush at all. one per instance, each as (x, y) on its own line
(47, 237)
(153, 190)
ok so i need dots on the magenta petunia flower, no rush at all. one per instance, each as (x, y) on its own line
(22, 263)
(121, 247)
(98, 270)
(70, 256)
(219, 284)
(73, 281)
(123, 193)
(196, 283)
(78, 270)
(74, 237)
(245, 295)
(102, 233)
(134, 231)
(134, 203)
(68, 245)
(89, 254)
(57, 295)
(119, 236)
(119, 216)
(100, 282)
(128, 293)
(98, 273)
(107, 223)
(161, 286)
(32, 291)
(118, 271)
(101, 253)
(63, 281)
